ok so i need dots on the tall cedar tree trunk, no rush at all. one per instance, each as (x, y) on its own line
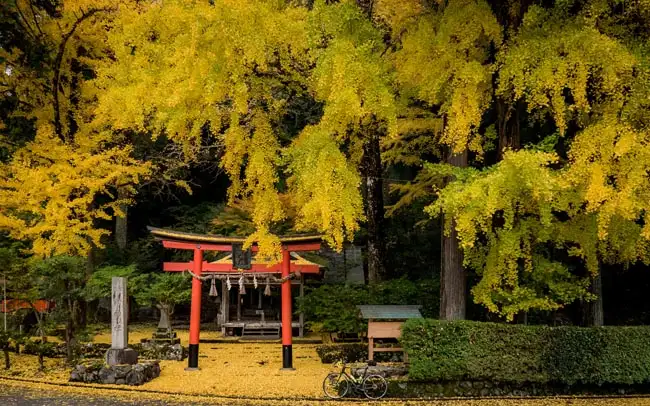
(121, 221)
(372, 170)
(593, 313)
(453, 278)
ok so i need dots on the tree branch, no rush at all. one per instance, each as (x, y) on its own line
(31, 6)
(58, 128)
(26, 23)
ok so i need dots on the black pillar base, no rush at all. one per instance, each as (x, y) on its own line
(193, 358)
(287, 358)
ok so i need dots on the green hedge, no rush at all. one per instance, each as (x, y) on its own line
(353, 352)
(465, 350)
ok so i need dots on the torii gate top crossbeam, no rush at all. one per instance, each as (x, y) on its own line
(207, 242)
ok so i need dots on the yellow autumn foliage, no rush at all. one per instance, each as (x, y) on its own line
(227, 68)
(554, 55)
(444, 61)
(49, 192)
(51, 184)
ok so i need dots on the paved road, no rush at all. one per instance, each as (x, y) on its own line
(15, 396)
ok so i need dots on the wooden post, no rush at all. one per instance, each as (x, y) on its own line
(195, 312)
(238, 305)
(371, 344)
(287, 356)
(301, 330)
(225, 306)
(259, 298)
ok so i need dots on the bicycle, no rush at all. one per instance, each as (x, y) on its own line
(337, 385)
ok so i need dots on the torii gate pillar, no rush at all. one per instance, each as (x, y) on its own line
(287, 350)
(195, 311)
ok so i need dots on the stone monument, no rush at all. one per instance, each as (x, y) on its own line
(119, 353)
(164, 333)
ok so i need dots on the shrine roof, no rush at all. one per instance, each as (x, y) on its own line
(394, 312)
(166, 234)
(295, 259)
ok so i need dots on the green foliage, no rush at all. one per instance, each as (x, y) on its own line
(100, 283)
(5, 340)
(43, 349)
(62, 280)
(163, 288)
(465, 350)
(332, 308)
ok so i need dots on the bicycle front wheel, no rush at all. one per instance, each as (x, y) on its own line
(374, 386)
(335, 386)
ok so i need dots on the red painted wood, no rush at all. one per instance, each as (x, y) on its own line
(195, 310)
(227, 268)
(192, 246)
(183, 245)
(286, 298)
(297, 247)
(13, 305)
(177, 266)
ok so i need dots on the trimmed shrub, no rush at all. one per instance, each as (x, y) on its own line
(333, 308)
(46, 349)
(330, 354)
(465, 350)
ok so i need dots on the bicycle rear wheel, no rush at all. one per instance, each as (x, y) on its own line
(335, 386)
(374, 386)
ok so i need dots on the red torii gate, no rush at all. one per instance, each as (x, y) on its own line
(201, 242)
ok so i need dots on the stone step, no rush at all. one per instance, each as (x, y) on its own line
(260, 333)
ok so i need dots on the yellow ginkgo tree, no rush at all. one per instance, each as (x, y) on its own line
(231, 69)
(57, 186)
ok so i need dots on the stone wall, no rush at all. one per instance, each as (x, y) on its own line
(118, 374)
(146, 350)
(168, 352)
(409, 389)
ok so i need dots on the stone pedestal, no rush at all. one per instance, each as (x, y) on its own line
(165, 336)
(121, 356)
